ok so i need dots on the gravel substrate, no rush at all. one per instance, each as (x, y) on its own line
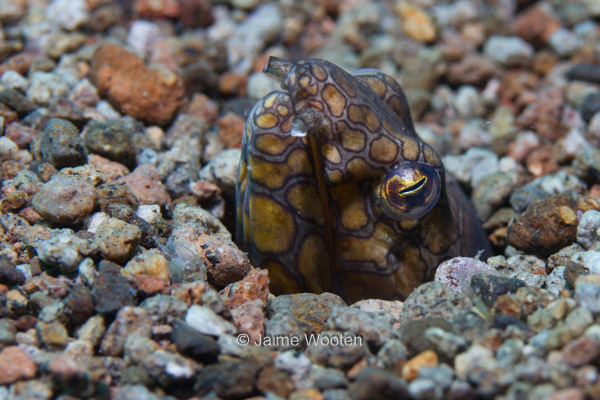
(121, 124)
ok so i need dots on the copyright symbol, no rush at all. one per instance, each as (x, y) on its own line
(243, 339)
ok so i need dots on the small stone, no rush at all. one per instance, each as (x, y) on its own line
(491, 192)
(206, 321)
(588, 230)
(15, 365)
(272, 380)
(457, 272)
(509, 51)
(64, 250)
(190, 342)
(228, 379)
(424, 389)
(65, 200)
(61, 145)
(410, 371)
(117, 240)
(53, 335)
(110, 139)
(541, 229)
(376, 384)
(111, 290)
(145, 183)
(489, 287)
(587, 292)
(433, 299)
(374, 328)
(254, 286)
(335, 349)
(129, 321)
(115, 193)
(148, 94)
(164, 309)
(167, 367)
(536, 24)
(137, 348)
(127, 392)
(310, 309)
(581, 351)
(416, 22)
(231, 127)
(92, 330)
(446, 344)
(69, 14)
(222, 171)
(150, 262)
(79, 304)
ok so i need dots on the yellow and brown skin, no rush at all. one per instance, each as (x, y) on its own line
(337, 193)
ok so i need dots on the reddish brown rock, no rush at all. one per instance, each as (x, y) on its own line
(536, 24)
(15, 365)
(275, 381)
(250, 319)
(148, 94)
(581, 351)
(255, 286)
(21, 134)
(202, 106)
(472, 70)
(150, 285)
(158, 8)
(231, 128)
(544, 115)
(545, 227)
(112, 169)
(233, 84)
(145, 183)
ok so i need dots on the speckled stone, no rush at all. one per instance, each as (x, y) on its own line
(15, 365)
(375, 328)
(229, 379)
(111, 291)
(433, 299)
(587, 292)
(546, 226)
(129, 321)
(65, 200)
(117, 240)
(588, 229)
(336, 349)
(61, 145)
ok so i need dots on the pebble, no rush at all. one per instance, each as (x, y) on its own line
(374, 328)
(546, 226)
(310, 309)
(110, 139)
(65, 200)
(433, 299)
(189, 341)
(61, 145)
(145, 184)
(151, 95)
(457, 272)
(509, 51)
(206, 321)
(222, 171)
(229, 379)
(588, 229)
(150, 262)
(110, 290)
(15, 365)
(129, 321)
(64, 250)
(489, 287)
(587, 292)
(69, 14)
(376, 384)
(117, 240)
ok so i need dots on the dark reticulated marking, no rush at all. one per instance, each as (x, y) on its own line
(357, 204)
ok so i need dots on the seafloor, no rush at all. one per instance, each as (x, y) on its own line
(121, 128)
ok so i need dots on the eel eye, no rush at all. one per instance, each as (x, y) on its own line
(409, 191)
